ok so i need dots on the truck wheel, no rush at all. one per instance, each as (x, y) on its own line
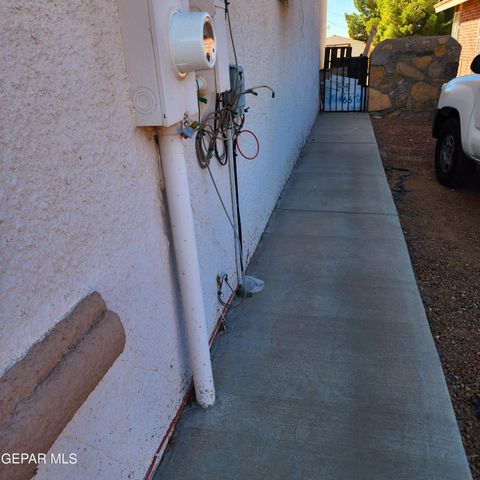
(452, 166)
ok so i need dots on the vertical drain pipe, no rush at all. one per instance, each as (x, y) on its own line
(178, 195)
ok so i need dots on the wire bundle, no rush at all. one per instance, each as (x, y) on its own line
(216, 127)
(217, 137)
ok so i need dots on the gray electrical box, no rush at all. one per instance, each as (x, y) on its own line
(237, 82)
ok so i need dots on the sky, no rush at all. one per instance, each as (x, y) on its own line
(335, 16)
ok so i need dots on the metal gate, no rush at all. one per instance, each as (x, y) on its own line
(344, 81)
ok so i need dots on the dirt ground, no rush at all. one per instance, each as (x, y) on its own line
(442, 229)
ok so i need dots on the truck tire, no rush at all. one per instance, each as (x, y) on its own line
(452, 166)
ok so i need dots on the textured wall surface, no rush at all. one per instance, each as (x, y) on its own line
(406, 74)
(54, 379)
(82, 206)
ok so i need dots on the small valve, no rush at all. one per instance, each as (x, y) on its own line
(187, 132)
(188, 128)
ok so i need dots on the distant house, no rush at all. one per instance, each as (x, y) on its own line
(338, 41)
(465, 28)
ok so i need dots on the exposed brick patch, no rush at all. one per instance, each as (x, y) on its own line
(468, 34)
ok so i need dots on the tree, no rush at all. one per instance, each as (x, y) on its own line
(359, 24)
(403, 18)
(356, 26)
(397, 18)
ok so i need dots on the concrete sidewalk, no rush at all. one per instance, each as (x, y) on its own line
(331, 372)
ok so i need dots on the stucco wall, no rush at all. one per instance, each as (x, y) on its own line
(83, 209)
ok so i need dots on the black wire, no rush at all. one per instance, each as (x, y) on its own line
(222, 202)
(227, 14)
(222, 159)
(208, 136)
(224, 121)
(239, 216)
(224, 279)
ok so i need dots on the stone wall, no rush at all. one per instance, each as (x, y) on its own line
(407, 73)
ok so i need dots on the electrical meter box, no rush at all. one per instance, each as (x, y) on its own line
(216, 8)
(164, 43)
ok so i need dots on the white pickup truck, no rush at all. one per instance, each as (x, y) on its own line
(456, 126)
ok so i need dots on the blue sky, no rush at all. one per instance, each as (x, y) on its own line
(335, 16)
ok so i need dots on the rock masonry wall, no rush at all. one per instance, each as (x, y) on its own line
(406, 74)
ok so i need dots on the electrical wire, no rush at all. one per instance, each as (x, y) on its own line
(223, 203)
(252, 157)
(205, 163)
(337, 25)
(227, 15)
(224, 279)
(216, 125)
(223, 126)
(237, 202)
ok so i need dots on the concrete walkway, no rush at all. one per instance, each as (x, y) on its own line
(331, 373)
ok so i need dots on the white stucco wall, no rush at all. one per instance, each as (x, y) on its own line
(82, 206)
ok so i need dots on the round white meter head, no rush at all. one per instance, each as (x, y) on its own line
(192, 41)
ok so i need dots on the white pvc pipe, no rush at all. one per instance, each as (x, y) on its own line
(181, 218)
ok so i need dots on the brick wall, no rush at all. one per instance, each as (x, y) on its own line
(468, 34)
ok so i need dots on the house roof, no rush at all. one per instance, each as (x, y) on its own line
(446, 4)
(339, 40)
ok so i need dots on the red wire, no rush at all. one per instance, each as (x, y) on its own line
(240, 150)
